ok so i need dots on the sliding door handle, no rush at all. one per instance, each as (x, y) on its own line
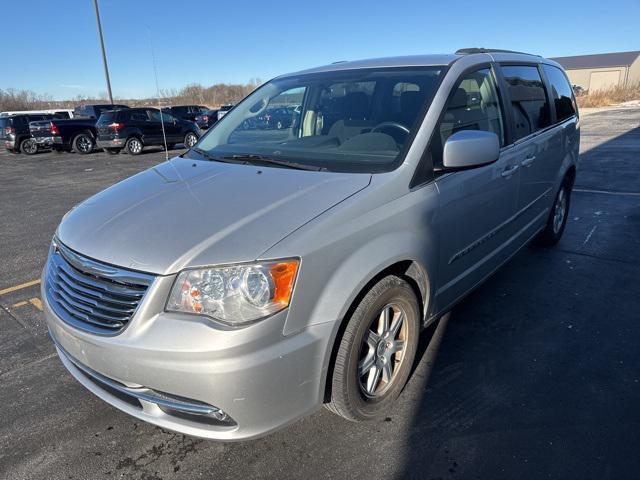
(527, 162)
(507, 172)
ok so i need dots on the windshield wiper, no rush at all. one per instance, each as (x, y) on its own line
(253, 158)
(208, 156)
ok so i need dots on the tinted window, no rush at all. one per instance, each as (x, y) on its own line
(139, 116)
(3, 123)
(528, 99)
(561, 92)
(107, 117)
(180, 110)
(473, 105)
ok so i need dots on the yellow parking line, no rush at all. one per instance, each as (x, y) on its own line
(19, 304)
(19, 287)
(36, 302)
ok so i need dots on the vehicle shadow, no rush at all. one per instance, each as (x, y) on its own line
(536, 374)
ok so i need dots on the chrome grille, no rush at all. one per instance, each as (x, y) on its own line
(91, 295)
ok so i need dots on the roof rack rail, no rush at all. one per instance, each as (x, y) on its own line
(469, 51)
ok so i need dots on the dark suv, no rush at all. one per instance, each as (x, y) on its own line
(136, 128)
(186, 112)
(15, 131)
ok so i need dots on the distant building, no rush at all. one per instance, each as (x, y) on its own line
(602, 71)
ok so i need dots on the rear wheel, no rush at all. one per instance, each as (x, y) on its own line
(112, 151)
(28, 146)
(134, 146)
(190, 139)
(82, 143)
(557, 220)
(376, 352)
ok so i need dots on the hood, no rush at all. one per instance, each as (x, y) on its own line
(187, 213)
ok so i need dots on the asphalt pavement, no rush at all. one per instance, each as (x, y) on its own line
(536, 374)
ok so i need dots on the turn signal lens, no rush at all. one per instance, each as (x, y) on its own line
(235, 294)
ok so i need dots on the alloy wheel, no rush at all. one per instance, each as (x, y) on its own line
(190, 140)
(84, 144)
(560, 210)
(30, 147)
(382, 351)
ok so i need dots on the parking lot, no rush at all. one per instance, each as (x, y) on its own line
(534, 375)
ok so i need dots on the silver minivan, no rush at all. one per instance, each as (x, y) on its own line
(268, 271)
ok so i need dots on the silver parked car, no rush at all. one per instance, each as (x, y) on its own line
(238, 287)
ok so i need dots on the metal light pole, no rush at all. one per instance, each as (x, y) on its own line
(104, 55)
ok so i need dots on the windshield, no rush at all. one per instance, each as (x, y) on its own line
(351, 120)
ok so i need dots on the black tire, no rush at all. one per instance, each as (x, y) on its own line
(350, 396)
(112, 151)
(28, 146)
(134, 146)
(83, 143)
(558, 215)
(190, 140)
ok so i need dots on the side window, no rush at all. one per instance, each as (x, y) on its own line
(154, 115)
(561, 92)
(528, 99)
(473, 105)
(139, 117)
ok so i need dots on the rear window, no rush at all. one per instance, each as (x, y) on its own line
(528, 99)
(107, 117)
(561, 93)
(180, 110)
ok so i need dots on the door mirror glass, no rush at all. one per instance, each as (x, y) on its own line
(471, 148)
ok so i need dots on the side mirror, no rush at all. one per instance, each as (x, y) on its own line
(470, 148)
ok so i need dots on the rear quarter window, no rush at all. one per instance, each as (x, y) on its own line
(561, 93)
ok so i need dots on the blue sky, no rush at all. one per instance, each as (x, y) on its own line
(209, 42)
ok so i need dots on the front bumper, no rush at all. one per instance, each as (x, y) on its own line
(114, 143)
(261, 379)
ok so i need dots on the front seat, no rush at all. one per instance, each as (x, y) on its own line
(355, 108)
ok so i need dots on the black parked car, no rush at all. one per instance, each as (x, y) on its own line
(186, 112)
(273, 118)
(14, 130)
(94, 111)
(135, 128)
(207, 119)
(77, 134)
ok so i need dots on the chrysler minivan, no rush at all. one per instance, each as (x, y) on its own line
(265, 272)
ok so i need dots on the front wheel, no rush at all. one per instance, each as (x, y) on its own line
(376, 352)
(28, 146)
(83, 144)
(190, 140)
(557, 220)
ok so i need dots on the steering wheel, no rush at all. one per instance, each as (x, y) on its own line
(398, 125)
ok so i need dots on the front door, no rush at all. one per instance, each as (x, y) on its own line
(477, 206)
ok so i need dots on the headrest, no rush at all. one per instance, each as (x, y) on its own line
(411, 102)
(356, 105)
(459, 99)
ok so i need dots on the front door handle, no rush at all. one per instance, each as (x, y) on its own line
(507, 172)
(527, 162)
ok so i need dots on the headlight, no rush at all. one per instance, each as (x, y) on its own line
(235, 294)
